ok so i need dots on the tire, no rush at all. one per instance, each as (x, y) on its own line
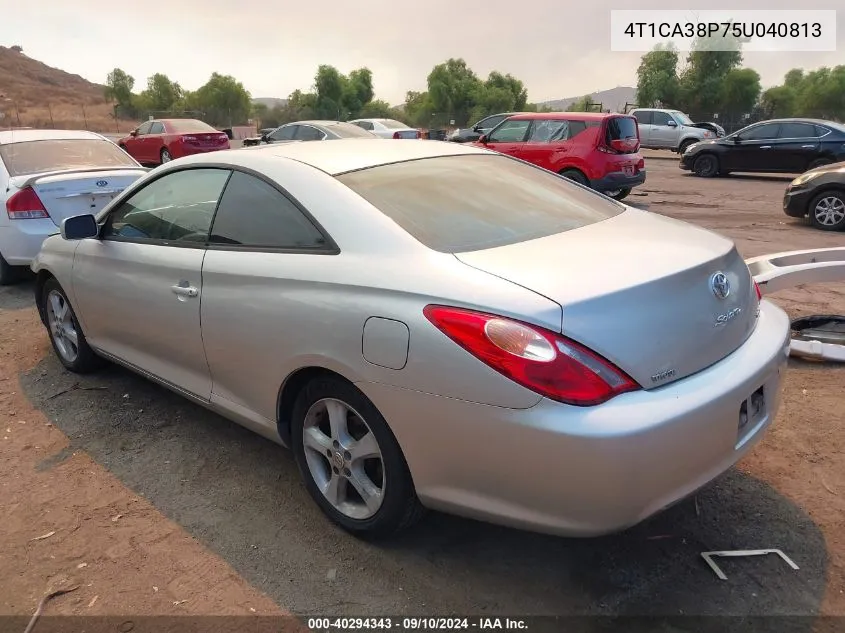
(165, 156)
(706, 166)
(84, 360)
(685, 145)
(9, 274)
(619, 194)
(575, 176)
(395, 507)
(827, 211)
(819, 162)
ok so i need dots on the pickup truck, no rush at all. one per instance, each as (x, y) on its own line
(669, 129)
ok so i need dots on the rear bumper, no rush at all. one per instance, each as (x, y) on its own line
(21, 240)
(190, 150)
(796, 202)
(618, 180)
(593, 470)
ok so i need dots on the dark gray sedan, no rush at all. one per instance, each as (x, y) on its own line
(311, 131)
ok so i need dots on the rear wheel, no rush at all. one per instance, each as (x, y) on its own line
(165, 156)
(827, 211)
(575, 176)
(618, 194)
(66, 336)
(351, 463)
(706, 166)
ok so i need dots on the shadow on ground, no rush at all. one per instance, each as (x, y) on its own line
(19, 295)
(241, 495)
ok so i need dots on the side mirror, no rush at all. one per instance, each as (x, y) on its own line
(737, 139)
(671, 123)
(483, 139)
(80, 227)
(133, 133)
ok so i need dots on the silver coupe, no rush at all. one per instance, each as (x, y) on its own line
(429, 325)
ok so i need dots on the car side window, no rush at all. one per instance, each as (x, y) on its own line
(284, 133)
(510, 132)
(549, 131)
(367, 125)
(156, 128)
(308, 133)
(764, 132)
(144, 128)
(576, 127)
(797, 130)
(643, 117)
(490, 122)
(176, 208)
(255, 214)
(661, 118)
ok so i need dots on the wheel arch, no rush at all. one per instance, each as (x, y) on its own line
(41, 278)
(291, 388)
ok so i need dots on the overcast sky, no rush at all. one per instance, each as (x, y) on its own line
(558, 48)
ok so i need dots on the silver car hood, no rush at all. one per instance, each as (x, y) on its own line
(637, 289)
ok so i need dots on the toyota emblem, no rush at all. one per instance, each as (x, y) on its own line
(720, 285)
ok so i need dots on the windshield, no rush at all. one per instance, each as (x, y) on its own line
(511, 201)
(180, 126)
(393, 125)
(36, 157)
(349, 130)
(682, 118)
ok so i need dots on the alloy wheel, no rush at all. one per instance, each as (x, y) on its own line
(830, 211)
(62, 327)
(344, 458)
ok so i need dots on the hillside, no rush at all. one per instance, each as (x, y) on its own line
(33, 94)
(613, 99)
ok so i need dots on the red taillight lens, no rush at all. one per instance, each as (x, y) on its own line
(757, 290)
(26, 205)
(397, 135)
(223, 138)
(189, 139)
(418, 135)
(538, 359)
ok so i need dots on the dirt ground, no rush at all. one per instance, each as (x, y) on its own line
(151, 505)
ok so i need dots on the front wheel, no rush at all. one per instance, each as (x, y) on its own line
(351, 463)
(706, 166)
(827, 211)
(67, 338)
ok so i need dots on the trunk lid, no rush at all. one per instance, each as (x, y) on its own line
(638, 289)
(72, 193)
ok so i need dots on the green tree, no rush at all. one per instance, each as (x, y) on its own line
(223, 99)
(118, 89)
(453, 89)
(657, 78)
(418, 108)
(583, 104)
(357, 92)
(778, 102)
(161, 94)
(377, 109)
(822, 94)
(701, 81)
(740, 91)
(538, 107)
(329, 86)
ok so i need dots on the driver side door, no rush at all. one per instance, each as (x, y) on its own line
(755, 149)
(138, 286)
(135, 144)
(509, 137)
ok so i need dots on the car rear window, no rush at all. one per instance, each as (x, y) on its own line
(455, 204)
(181, 126)
(36, 157)
(393, 125)
(349, 130)
(621, 127)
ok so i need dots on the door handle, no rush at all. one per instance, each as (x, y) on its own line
(807, 146)
(765, 147)
(185, 291)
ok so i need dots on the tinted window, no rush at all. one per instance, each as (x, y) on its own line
(490, 122)
(252, 213)
(367, 125)
(511, 201)
(661, 118)
(576, 127)
(761, 132)
(621, 127)
(177, 208)
(35, 157)
(797, 130)
(510, 132)
(347, 130)
(284, 133)
(308, 133)
(643, 117)
(549, 132)
(183, 126)
(156, 128)
(144, 128)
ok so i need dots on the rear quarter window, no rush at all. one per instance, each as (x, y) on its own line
(621, 127)
(456, 204)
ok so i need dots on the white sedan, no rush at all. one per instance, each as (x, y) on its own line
(387, 128)
(47, 176)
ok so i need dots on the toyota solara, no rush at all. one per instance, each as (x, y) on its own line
(429, 325)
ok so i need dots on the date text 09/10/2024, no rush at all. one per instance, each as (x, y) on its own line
(336, 625)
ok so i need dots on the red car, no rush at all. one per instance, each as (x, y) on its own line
(600, 151)
(161, 140)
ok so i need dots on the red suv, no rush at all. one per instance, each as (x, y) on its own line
(600, 151)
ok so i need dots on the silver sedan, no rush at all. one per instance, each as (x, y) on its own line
(429, 325)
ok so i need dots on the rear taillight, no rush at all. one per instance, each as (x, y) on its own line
(223, 138)
(538, 359)
(187, 138)
(757, 290)
(418, 135)
(397, 135)
(26, 205)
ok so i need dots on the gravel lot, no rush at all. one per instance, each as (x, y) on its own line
(240, 499)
